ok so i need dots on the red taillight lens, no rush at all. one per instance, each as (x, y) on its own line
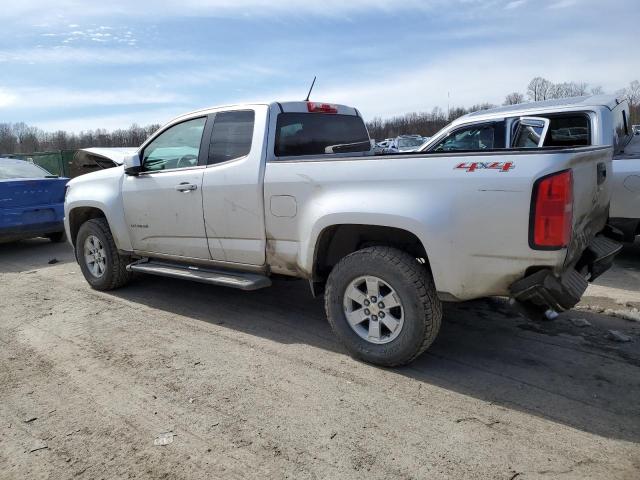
(553, 211)
(314, 107)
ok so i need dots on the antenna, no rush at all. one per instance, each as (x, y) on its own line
(309, 94)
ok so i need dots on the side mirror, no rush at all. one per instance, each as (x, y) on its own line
(132, 165)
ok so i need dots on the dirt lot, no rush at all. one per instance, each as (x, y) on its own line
(254, 385)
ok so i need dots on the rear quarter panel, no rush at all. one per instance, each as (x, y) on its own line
(474, 225)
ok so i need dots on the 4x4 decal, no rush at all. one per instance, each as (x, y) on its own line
(473, 166)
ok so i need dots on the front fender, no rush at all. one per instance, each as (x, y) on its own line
(101, 190)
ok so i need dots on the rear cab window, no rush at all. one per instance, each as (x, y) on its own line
(300, 134)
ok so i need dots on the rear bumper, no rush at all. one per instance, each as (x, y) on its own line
(545, 290)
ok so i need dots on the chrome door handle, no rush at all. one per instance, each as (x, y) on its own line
(186, 187)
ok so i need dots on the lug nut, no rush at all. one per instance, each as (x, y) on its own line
(373, 299)
(374, 318)
(367, 303)
(381, 305)
(381, 314)
(366, 311)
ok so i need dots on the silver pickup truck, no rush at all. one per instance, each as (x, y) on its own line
(569, 122)
(235, 195)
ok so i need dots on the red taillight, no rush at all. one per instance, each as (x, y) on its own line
(314, 107)
(553, 211)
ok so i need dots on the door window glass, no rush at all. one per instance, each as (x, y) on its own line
(528, 136)
(472, 138)
(231, 136)
(176, 147)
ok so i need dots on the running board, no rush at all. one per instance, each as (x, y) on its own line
(225, 278)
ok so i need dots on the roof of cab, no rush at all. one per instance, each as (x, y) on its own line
(609, 101)
(288, 106)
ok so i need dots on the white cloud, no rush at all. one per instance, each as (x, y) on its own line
(112, 55)
(46, 98)
(563, 4)
(515, 4)
(7, 98)
(80, 123)
(472, 76)
(75, 9)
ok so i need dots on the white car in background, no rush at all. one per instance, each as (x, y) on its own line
(405, 143)
(601, 120)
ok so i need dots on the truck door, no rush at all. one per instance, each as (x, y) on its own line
(232, 186)
(163, 204)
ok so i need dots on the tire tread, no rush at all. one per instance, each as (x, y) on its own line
(414, 273)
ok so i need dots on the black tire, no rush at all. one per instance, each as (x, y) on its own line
(413, 284)
(115, 274)
(57, 237)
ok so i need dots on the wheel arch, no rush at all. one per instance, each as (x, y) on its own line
(336, 241)
(80, 215)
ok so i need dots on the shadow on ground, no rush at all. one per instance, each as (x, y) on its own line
(558, 371)
(35, 253)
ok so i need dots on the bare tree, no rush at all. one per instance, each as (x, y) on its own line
(597, 90)
(539, 89)
(632, 92)
(514, 98)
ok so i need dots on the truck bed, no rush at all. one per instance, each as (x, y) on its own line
(472, 221)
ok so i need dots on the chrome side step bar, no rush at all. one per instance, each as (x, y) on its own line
(225, 278)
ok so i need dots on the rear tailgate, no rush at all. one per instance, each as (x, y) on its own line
(592, 190)
(589, 251)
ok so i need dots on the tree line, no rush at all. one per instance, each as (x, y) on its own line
(23, 138)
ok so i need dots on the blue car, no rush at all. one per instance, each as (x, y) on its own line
(31, 202)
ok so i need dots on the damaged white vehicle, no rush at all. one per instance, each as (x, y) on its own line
(236, 195)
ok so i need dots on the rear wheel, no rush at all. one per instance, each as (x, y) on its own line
(383, 306)
(101, 264)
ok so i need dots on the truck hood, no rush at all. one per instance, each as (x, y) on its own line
(104, 156)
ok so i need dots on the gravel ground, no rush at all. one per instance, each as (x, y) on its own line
(254, 385)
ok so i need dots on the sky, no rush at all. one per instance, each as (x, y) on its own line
(78, 65)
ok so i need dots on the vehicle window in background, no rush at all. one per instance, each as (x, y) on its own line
(479, 137)
(528, 136)
(568, 131)
(176, 147)
(20, 169)
(231, 136)
(407, 143)
(320, 133)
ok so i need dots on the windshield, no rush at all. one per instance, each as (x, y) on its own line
(320, 133)
(21, 169)
(409, 142)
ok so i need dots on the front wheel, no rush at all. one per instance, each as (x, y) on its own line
(101, 264)
(382, 305)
